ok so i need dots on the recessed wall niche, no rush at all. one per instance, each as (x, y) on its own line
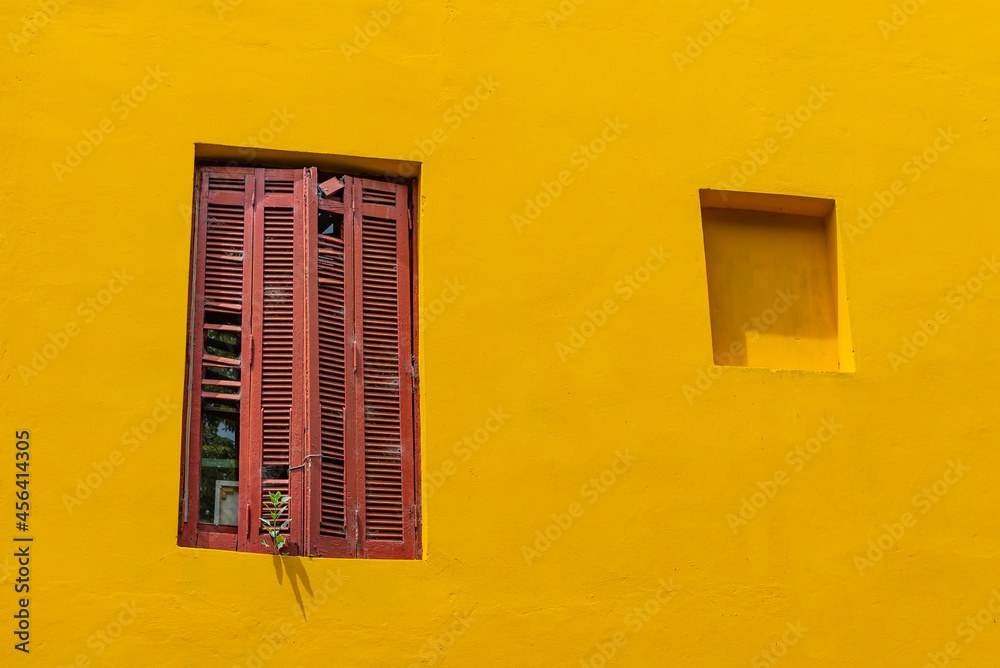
(776, 288)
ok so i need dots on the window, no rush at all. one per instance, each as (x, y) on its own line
(301, 370)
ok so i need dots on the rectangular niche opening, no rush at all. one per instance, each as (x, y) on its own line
(776, 289)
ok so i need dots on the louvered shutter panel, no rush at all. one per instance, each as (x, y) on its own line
(333, 483)
(383, 379)
(279, 340)
(218, 381)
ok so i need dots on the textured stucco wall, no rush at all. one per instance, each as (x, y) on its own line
(563, 147)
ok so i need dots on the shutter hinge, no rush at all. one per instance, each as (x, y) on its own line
(251, 353)
(409, 219)
(416, 516)
(357, 522)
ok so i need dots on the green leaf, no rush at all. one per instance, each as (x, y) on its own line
(285, 525)
(263, 542)
(286, 499)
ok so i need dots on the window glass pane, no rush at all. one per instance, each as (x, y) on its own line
(222, 344)
(220, 464)
(274, 472)
(331, 224)
(229, 377)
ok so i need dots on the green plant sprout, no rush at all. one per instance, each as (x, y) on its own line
(278, 505)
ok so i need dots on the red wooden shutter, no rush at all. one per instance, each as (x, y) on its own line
(278, 369)
(333, 492)
(383, 380)
(218, 383)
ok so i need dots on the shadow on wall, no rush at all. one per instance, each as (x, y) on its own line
(296, 572)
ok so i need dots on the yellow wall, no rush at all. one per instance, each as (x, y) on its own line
(636, 392)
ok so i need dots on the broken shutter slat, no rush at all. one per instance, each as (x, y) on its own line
(332, 206)
(331, 186)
